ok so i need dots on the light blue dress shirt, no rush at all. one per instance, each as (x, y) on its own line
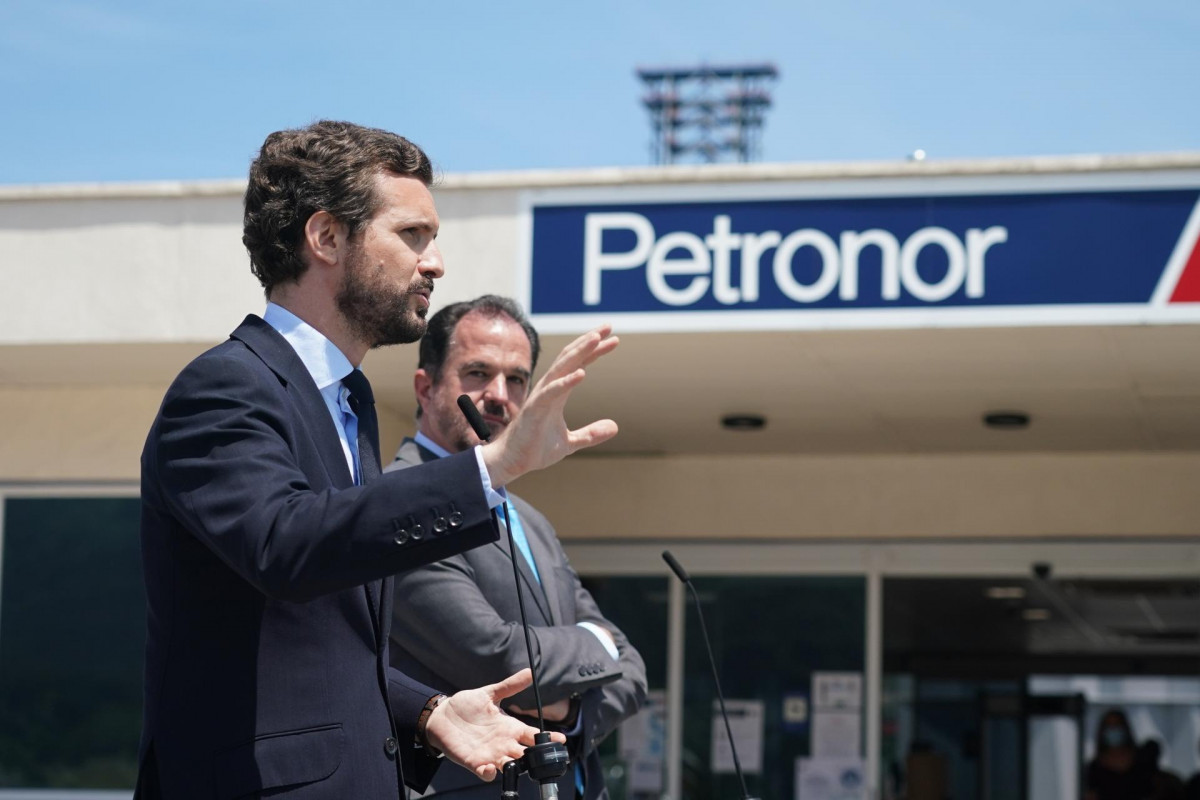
(328, 365)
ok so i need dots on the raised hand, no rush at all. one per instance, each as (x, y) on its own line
(538, 437)
(471, 730)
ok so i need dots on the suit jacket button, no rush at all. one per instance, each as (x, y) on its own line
(583, 670)
(417, 532)
(390, 746)
(440, 525)
(401, 537)
(456, 519)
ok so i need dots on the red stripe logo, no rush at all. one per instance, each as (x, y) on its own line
(1187, 290)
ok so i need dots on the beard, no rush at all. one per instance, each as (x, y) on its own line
(461, 436)
(376, 311)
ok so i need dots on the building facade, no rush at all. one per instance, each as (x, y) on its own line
(897, 590)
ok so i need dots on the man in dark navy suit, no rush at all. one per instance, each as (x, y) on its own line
(269, 534)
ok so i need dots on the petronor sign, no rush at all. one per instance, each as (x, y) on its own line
(1026, 254)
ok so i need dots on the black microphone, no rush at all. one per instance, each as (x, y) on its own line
(682, 574)
(547, 760)
(474, 417)
(676, 567)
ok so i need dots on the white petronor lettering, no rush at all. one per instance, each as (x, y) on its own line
(723, 243)
(595, 260)
(978, 243)
(786, 280)
(956, 271)
(709, 261)
(695, 263)
(889, 249)
(753, 247)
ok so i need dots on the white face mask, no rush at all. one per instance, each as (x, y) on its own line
(1113, 736)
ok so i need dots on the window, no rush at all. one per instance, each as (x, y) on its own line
(638, 606)
(72, 635)
(769, 635)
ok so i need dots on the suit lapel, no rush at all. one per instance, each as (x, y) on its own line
(532, 588)
(413, 454)
(277, 354)
(544, 557)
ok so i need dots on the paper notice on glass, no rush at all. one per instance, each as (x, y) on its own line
(746, 722)
(836, 734)
(836, 690)
(830, 779)
(642, 742)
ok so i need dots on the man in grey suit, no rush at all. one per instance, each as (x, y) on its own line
(457, 621)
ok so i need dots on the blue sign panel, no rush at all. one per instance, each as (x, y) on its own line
(1095, 248)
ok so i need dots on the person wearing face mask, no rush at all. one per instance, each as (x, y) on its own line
(1113, 774)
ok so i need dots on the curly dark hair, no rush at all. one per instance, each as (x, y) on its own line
(328, 166)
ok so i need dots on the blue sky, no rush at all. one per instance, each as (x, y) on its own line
(129, 91)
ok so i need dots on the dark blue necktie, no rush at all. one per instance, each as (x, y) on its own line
(362, 403)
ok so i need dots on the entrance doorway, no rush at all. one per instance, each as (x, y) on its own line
(992, 686)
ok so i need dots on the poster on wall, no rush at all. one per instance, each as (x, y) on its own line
(795, 712)
(746, 724)
(642, 743)
(830, 779)
(836, 734)
(837, 715)
(837, 691)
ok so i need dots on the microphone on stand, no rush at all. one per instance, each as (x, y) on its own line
(683, 576)
(547, 760)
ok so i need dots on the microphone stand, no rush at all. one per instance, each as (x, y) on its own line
(683, 576)
(547, 760)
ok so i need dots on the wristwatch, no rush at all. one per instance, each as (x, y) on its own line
(423, 721)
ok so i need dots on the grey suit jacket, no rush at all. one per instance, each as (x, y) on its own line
(457, 625)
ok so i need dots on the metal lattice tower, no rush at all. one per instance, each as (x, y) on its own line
(707, 112)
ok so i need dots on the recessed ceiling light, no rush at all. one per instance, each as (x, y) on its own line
(1006, 420)
(743, 422)
(1035, 614)
(1005, 592)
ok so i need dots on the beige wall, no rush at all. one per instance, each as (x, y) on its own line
(94, 433)
(117, 269)
(89, 433)
(872, 497)
(103, 267)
